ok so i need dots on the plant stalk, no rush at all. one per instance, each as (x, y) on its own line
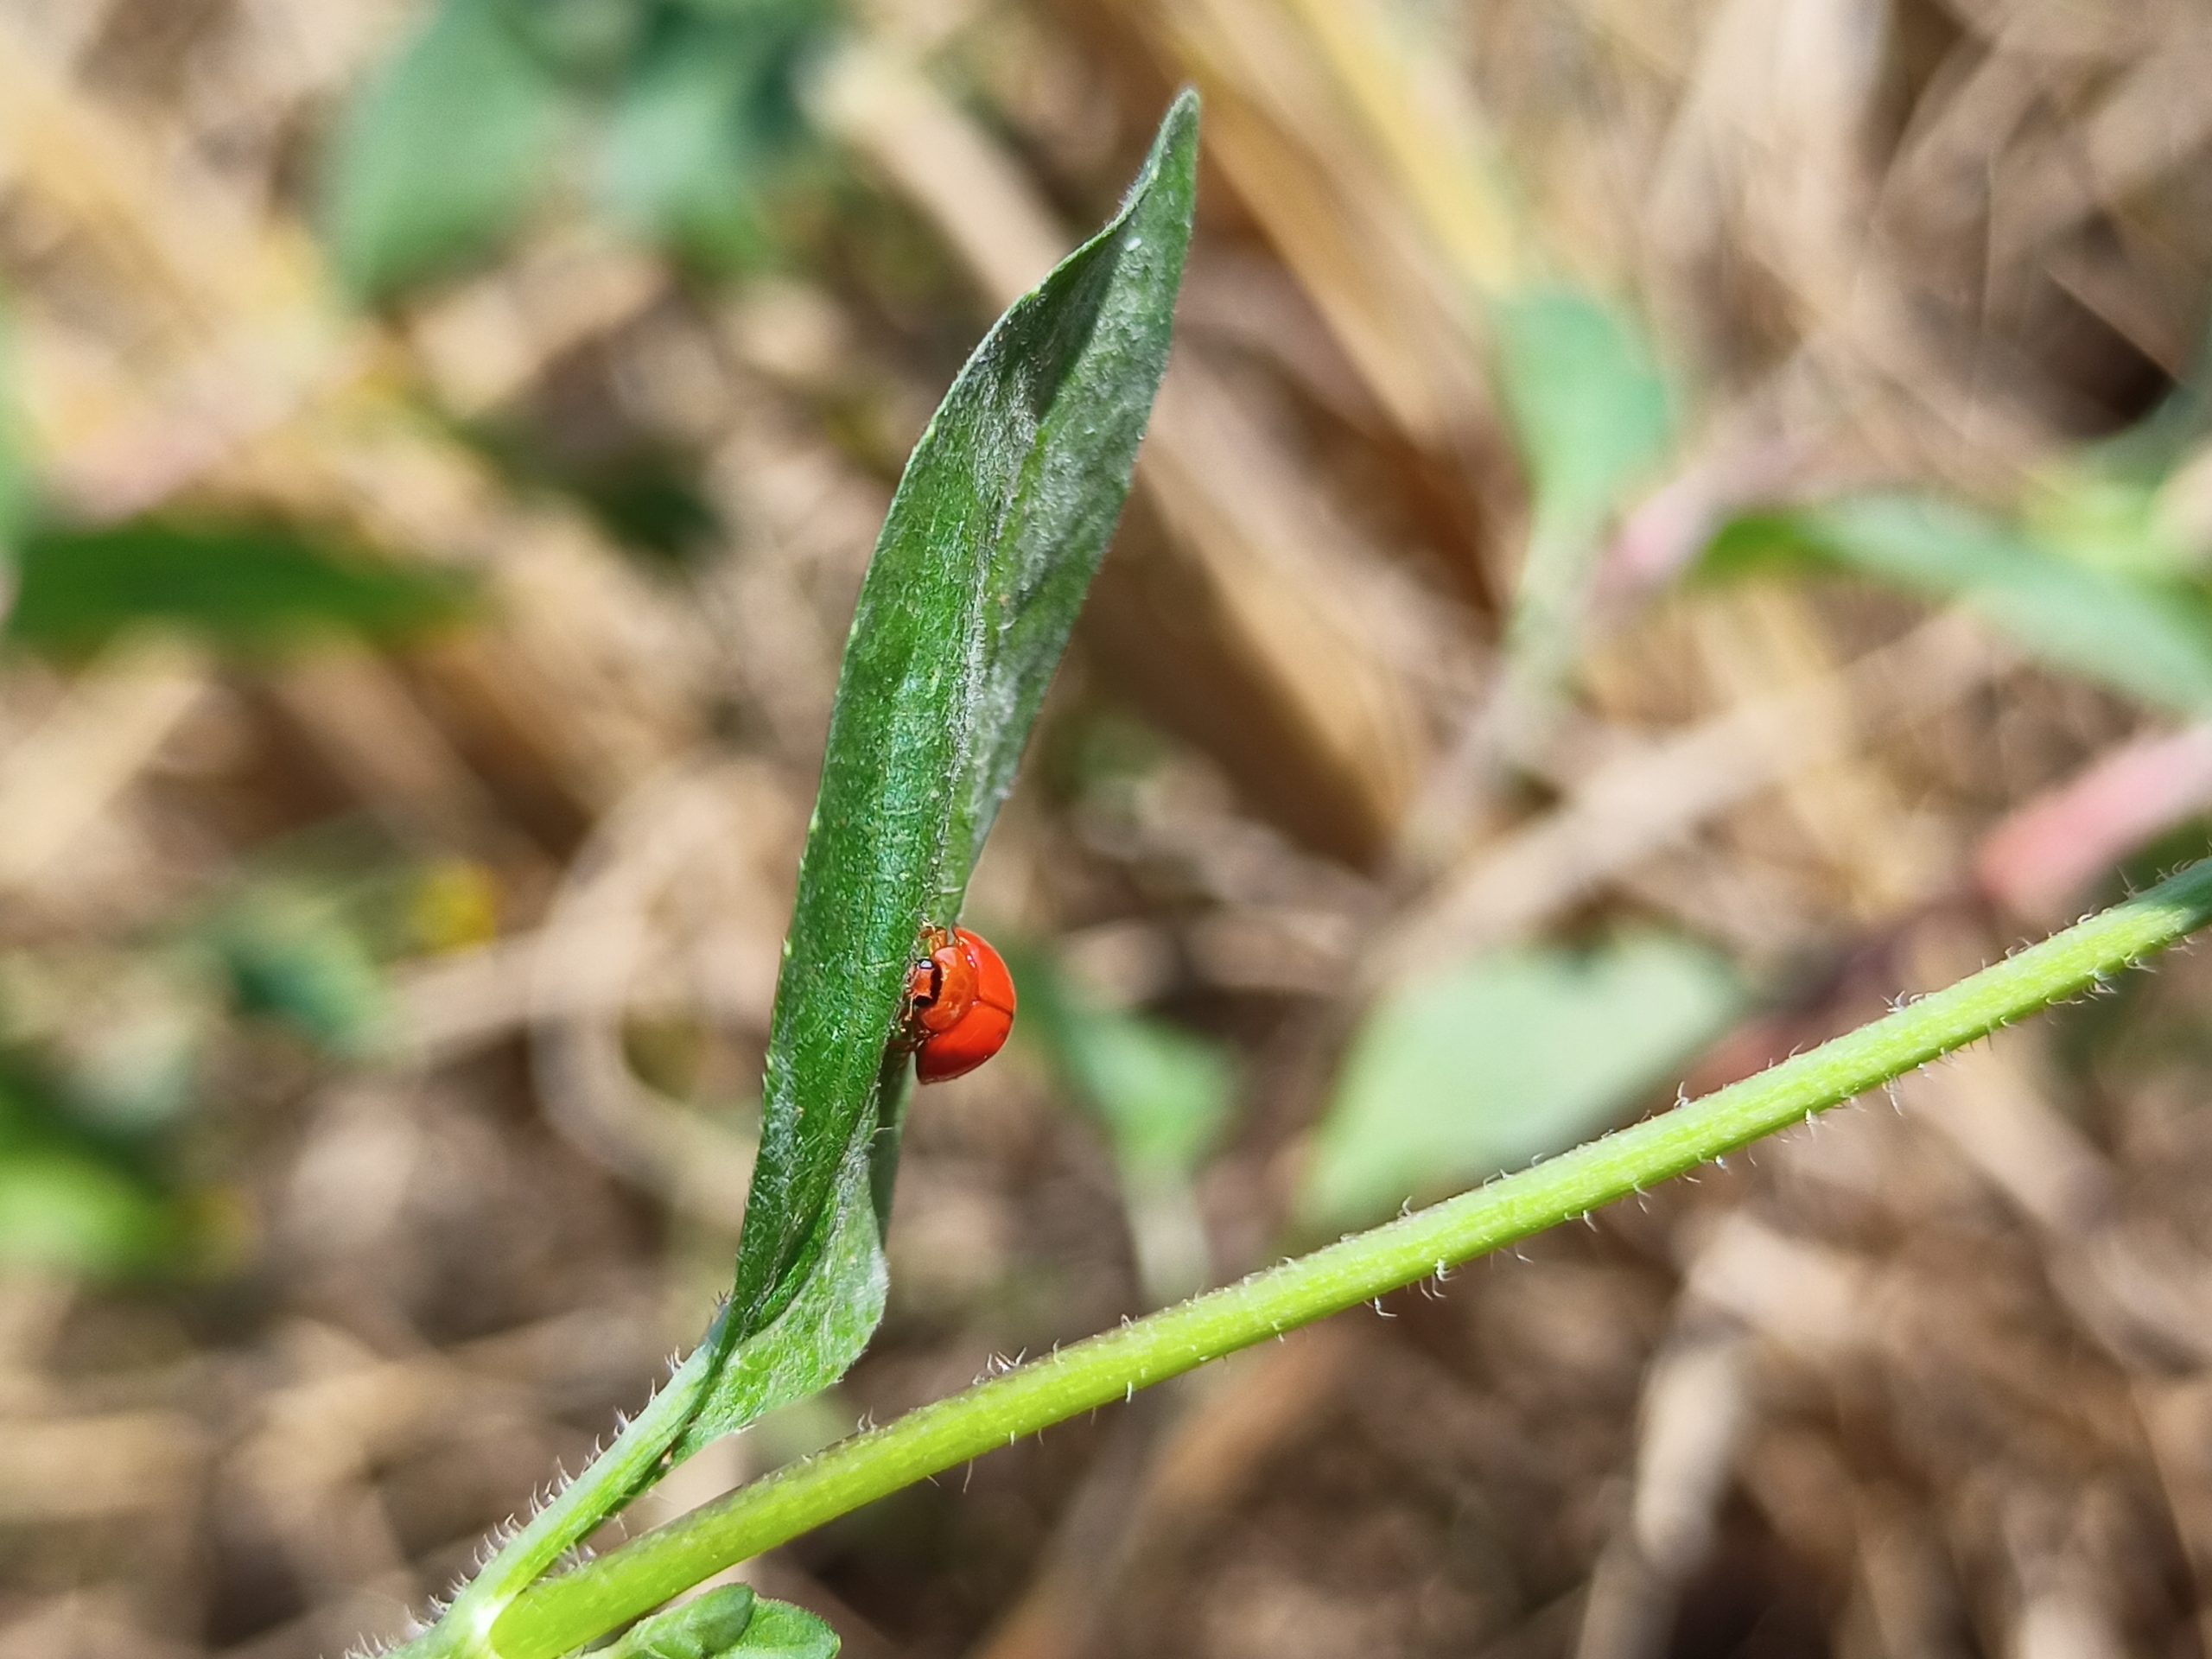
(614, 1477)
(561, 1614)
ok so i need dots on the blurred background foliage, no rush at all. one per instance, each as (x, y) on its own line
(1668, 525)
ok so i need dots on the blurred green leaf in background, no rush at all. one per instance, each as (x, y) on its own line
(450, 149)
(1510, 1057)
(2147, 635)
(1162, 1096)
(289, 953)
(251, 589)
(78, 1194)
(2119, 502)
(16, 493)
(704, 120)
(646, 493)
(1591, 410)
(2110, 518)
(585, 43)
(444, 154)
(1592, 415)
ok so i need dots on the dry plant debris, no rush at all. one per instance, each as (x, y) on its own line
(439, 971)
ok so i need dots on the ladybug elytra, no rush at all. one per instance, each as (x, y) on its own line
(959, 1004)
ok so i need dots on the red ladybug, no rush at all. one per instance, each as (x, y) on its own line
(959, 1004)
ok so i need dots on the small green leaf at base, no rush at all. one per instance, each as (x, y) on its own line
(705, 1627)
(779, 1630)
(820, 1332)
(729, 1622)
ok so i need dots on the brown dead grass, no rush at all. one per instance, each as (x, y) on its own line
(1934, 1381)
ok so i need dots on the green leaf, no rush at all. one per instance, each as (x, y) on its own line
(990, 542)
(1592, 412)
(703, 123)
(580, 41)
(983, 562)
(252, 589)
(62, 1210)
(1512, 1056)
(728, 1622)
(821, 11)
(820, 1332)
(292, 956)
(75, 1196)
(1162, 1095)
(705, 1627)
(779, 1630)
(443, 154)
(1592, 415)
(2105, 521)
(16, 481)
(2149, 637)
(2105, 503)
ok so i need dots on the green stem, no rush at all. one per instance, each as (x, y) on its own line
(561, 1614)
(611, 1480)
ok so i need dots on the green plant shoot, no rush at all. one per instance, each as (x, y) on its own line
(989, 546)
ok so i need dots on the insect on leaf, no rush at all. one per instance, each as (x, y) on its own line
(989, 546)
